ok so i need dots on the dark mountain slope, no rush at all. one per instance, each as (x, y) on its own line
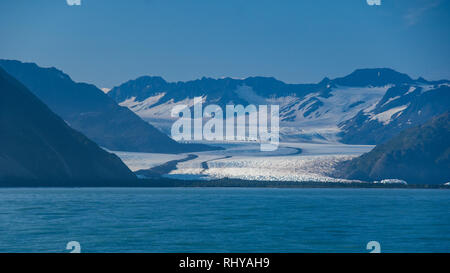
(37, 145)
(419, 155)
(87, 109)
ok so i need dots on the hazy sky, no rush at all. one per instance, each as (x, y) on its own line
(107, 42)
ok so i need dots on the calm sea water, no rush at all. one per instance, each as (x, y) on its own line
(224, 220)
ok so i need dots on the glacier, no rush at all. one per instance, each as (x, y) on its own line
(242, 160)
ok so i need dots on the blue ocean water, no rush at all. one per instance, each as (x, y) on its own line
(224, 220)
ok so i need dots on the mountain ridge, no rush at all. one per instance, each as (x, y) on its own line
(331, 110)
(36, 145)
(87, 109)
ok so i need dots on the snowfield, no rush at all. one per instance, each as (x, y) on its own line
(139, 161)
(312, 117)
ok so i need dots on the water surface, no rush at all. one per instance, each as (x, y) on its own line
(224, 220)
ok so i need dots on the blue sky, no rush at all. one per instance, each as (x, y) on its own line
(107, 42)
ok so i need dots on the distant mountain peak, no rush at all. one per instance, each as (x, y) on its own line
(421, 80)
(325, 80)
(150, 78)
(18, 65)
(373, 77)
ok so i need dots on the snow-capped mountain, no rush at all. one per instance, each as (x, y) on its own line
(403, 106)
(325, 111)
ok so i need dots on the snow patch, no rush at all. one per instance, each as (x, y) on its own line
(142, 161)
(138, 106)
(391, 181)
(389, 100)
(410, 90)
(386, 116)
